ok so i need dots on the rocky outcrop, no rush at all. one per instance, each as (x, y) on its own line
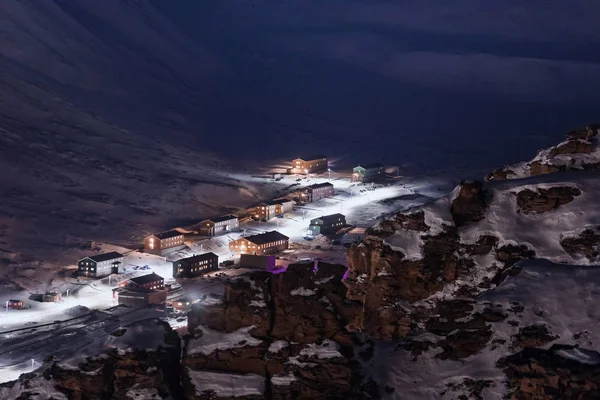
(295, 324)
(532, 336)
(544, 200)
(576, 146)
(500, 174)
(585, 244)
(537, 374)
(586, 133)
(119, 374)
(470, 204)
(537, 168)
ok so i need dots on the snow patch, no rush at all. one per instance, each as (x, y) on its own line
(227, 385)
(283, 380)
(327, 349)
(277, 346)
(211, 340)
(301, 291)
(408, 243)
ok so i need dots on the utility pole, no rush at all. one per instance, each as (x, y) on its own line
(329, 170)
(7, 310)
(68, 296)
(32, 363)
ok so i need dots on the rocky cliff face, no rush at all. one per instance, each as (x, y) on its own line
(117, 372)
(286, 331)
(581, 151)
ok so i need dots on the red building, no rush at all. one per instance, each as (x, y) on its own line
(149, 282)
(16, 304)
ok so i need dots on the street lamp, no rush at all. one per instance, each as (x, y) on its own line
(7, 309)
(68, 296)
(329, 170)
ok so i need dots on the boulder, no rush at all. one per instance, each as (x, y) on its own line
(544, 200)
(470, 204)
(585, 244)
(556, 373)
(572, 147)
(532, 336)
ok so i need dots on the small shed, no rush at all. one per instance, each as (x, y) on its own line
(50, 297)
(16, 304)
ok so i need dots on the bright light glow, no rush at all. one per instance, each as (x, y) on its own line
(151, 243)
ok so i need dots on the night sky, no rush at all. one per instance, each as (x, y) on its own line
(457, 83)
(462, 83)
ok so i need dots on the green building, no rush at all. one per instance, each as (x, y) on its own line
(368, 173)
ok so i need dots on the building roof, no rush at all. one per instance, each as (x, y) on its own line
(168, 234)
(141, 280)
(277, 201)
(320, 185)
(370, 166)
(332, 217)
(317, 157)
(198, 257)
(223, 218)
(106, 256)
(267, 237)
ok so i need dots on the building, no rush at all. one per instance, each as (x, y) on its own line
(252, 261)
(148, 282)
(195, 265)
(309, 165)
(161, 241)
(184, 303)
(221, 225)
(326, 224)
(317, 192)
(51, 297)
(138, 298)
(100, 265)
(16, 304)
(265, 243)
(272, 208)
(368, 173)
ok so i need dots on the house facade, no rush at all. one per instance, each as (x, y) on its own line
(309, 165)
(147, 282)
(16, 304)
(271, 209)
(219, 226)
(368, 173)
(317, 192)
(161, 241)
(265, 243)
(133, 297)
(195, 265)
(100, 265)
(326, 224)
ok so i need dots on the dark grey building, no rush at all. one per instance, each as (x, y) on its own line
(100, 265)
(195, 265)
(326, 224)
(317, 192)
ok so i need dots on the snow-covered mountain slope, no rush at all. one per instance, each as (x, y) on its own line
(487, 292)
(580, 151)
(531, 337)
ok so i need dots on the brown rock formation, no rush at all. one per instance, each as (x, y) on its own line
(537, 374)
(412, 222)
(499, 174)
(470, 204)
(544, 200)
(585, 244)
(572, 147)
(532, 336)
(587, 133)
(536, 168)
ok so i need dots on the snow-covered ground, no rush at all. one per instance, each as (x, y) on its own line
(362, 205)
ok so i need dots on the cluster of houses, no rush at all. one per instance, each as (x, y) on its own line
(150, 288)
